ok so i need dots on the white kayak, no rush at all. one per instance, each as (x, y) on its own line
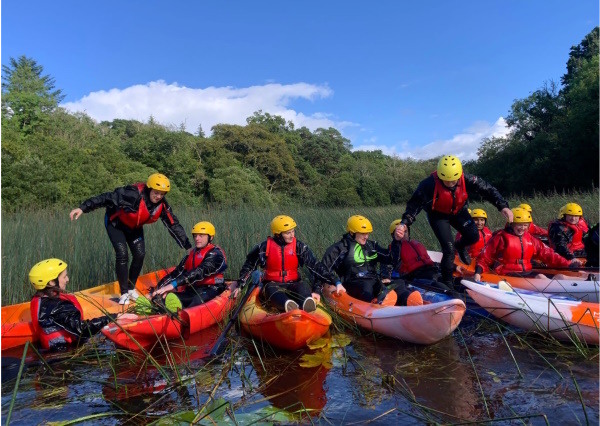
(564, 318)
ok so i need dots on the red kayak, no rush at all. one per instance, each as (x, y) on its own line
(289, 330)
(144, 332)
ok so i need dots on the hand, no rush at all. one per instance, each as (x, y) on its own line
(75, 213)
(575, 263)
(477, 277)
(339, 289)
(400, 231)
(317, 297)
(507, 213)
(460, 269)
(161, 291)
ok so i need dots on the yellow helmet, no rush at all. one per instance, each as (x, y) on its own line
(525, 207)
(572, 209)
(159, 182)
(479, 213)
(561, 211)
(360, 224)
(449, 168)
(393, 225)
(521, 215)
(204, 228)
(45, 271)
(281, 224)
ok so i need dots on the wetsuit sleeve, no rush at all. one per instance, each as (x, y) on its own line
(173, 274)
(488, 255)
(422, 197)
(127, 197)
(255, 259)
(174, 227)
(332, 259)
(319, 273)
(559, 236)
(66, 316)
(549, 256)
(213, 263)
(474, 184)
(384, 256)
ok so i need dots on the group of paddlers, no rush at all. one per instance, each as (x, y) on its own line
(355, 264)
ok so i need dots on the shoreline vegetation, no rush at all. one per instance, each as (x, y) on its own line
(30, 236)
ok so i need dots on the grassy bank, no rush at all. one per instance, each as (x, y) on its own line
(28, 237)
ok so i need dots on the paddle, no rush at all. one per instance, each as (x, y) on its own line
(220, 343)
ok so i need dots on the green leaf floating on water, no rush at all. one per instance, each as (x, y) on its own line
(320, 358)
(338, 341)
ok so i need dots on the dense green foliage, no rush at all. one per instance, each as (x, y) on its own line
(51, 157)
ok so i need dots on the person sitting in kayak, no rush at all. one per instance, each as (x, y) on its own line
(566, 233)
(127, 210)
(56, 315)
(280, 257)
(199, 276)
(511, 250)
(354, 260)
(590, 240)
(444, 195)
(535, 230)
(480, 218)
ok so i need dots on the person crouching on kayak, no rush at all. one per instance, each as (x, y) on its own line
(444, 196)
(281, 257)
(513, 248)
(535, 230)
(128, 209)
(56, 315)
(480, 218)
(355, 258)
(566, 233)
(199, 276)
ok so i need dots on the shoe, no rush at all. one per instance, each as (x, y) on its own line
(133, 294)
(464, 255)
(143, 306)
(290, 305)
(309, 305)
(414, 299)
(124, 299)
(172, 303)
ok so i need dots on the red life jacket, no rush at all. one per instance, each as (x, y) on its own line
(194, 260)
(142, 216)
(413, 255)
(517, 253)
(447, 201)
(282, 262)
(56, 336)
(484, 236)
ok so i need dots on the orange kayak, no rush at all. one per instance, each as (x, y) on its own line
(145, 331)
(96, 301)
(290, 330)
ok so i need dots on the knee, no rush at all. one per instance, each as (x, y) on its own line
(121, 253)
(448, 247)
(139, 252)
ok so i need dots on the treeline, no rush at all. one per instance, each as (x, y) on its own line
(51, 157)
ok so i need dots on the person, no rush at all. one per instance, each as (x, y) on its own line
(444, 196)
(128, 209)
(590, 240)
(354, 259)
(480, 218)
(565, 234)
(535, 230)
(512, 249)
(56, 315)
(280, 257)
(199, 276)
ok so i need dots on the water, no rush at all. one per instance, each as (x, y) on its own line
(474, 375)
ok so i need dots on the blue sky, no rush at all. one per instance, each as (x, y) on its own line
(411, 78)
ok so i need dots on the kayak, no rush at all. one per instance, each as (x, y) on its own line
(144, 332)
(425, 324)
(96, 301)
(564, 318)
(289, 330)
(581, 285)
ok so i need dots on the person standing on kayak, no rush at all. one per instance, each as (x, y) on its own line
(281, 257)
(566, 233)
(199, 276)
(128, 209)
(355, 258)
(56, 315)
(513, 248)
(444, 196)
(480, 218)
(535, 230)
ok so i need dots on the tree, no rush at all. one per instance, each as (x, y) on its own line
(27, 95)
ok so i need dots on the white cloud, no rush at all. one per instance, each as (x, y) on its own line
(463, 145)
(171, 104)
